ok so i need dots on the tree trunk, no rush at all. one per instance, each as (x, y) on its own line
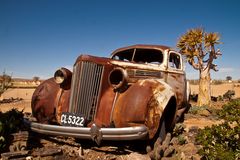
(204, 96)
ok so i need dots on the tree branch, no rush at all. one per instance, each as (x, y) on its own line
(217, 54)
(214, 67)
(210, 64)
(205, 61)
(194, 64)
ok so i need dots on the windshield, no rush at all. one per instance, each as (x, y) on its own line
(151, 56)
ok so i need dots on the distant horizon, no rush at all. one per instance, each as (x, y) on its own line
(30, 78)
(22, 78)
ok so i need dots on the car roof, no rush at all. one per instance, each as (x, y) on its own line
(142, 46)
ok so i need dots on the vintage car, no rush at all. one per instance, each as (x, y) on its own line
(140, 92)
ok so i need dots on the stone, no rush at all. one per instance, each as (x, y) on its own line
(204, 112)
(14, 155)
(137, 156)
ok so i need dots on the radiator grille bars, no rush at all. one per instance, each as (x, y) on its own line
(85, 89)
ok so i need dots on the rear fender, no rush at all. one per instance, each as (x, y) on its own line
(143, 103)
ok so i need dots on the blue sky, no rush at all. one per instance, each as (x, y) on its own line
(39, 36)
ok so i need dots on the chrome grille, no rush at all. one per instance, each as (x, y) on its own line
(85, 88)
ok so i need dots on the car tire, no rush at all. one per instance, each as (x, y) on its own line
(162, 130)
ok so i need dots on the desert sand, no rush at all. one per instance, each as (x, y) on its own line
(220, 89)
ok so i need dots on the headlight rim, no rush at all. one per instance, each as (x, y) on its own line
(122, 82)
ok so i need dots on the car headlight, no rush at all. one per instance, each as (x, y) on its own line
(62, 75)
(118, 79)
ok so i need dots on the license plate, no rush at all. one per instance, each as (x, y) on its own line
(72, 119)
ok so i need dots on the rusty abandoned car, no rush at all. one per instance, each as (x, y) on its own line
(139, 92)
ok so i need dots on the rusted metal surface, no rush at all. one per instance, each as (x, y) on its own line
(48, 101)
(142, 103)
(62, 103)
(124, 91)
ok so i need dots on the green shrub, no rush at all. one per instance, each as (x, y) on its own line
(231, 111)
(222, 141)
(197, 109)
(178, 129)
(10, 122)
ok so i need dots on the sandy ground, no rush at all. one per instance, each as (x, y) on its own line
(23, 93)
(217, 90)
(24, 105)
(200, 122)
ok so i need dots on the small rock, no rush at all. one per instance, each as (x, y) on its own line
(182, 156)
(189, 149)
(233, 124)
(196, 157)
(14, 155)
(148, 149)
(204, 112)
(29, 158)
(109, 157)
(50, 151)
(194, 129)
(167, 158)
(80, 153)
(137, 156)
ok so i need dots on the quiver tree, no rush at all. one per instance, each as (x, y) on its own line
(199, 48)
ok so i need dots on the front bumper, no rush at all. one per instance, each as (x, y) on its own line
(95, 133)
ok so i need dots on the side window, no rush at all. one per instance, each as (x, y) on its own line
(174, 61)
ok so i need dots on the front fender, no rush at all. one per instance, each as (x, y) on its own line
(143, 103)
(49, 101)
